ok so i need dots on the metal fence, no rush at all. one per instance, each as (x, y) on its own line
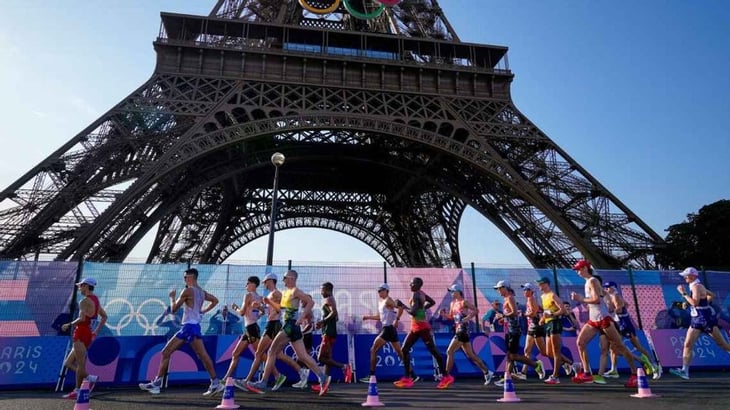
(37, 297)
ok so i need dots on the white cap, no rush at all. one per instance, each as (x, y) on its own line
(528, 286)
(456, 288)
(503, 284)
(270, 276)
(689, 271)
(87, 281)
(384, 286)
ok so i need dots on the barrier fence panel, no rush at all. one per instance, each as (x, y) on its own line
(35, 299)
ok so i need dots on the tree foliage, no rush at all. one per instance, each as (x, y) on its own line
(703, 240)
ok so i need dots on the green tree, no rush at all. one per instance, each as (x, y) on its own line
(702, 240)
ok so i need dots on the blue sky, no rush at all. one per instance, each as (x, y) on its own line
(638, 92)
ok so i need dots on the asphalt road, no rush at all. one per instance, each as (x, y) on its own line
(704, 390)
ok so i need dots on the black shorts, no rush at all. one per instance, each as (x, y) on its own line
(512, 343)
(272, 328)
(553, 327)
(252, 334)
(389, 334)
(536, 331)
(307, 339)
(462, 334)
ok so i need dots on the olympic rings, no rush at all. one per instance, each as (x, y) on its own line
(363, 16)
(137, 314)
(388, 3)
(312, 9)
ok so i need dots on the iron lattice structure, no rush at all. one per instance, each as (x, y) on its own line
(391, 127)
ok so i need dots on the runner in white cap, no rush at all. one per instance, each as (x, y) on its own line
(462, 312)
(388, 333)
(702, 319)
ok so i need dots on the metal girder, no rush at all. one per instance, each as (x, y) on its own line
(389, 150)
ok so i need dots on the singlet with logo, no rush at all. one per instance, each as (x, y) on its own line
(596, 312)
(459, 313)
(191, 314)
(513, 323)
(90, 321)
(252, 315)
(387, 314)
(418, 320)
(548, 305)
(289, 304)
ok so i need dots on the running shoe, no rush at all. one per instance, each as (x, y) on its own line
(646, 364)
(416, 378)
(348, 373)
(488, 377)
(74, 394)
(519, 376)
(259, 387)
(445, 382)
(500, 382)
(568, 369)
(365, 379)
(583, 378)
(611, 374)
(552, 380)
(598, 379)
(315, 388)
(404, 382)
(152, 387)
(657, 372)
(303, 379)
(540, 369)
(279, 382)
(680, 373)
(325, 385)
(632, 383)
(92, 379)
(215, 387)
(240, 383)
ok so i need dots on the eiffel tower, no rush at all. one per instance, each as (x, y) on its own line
(391, 126)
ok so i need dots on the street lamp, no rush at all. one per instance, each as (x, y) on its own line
(278, 160)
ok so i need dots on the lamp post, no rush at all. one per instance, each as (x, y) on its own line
(278, 160)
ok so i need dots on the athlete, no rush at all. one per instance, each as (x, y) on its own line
(291, 332)
(628, 331)
(513, 332)
(83, 335)
(328, 324)
(598, 321)
(387, 312)
(462, 312)
(250, 310)
(273, 326)
(702, 319)
(553, 309)
(535, 330)
(420, 329)
(191, 299)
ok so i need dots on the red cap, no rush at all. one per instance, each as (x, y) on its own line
(582, 264)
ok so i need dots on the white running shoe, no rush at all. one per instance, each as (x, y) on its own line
(657, 372)
(152, 387)
(303, 378)
(215, 387)
(488, 377)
